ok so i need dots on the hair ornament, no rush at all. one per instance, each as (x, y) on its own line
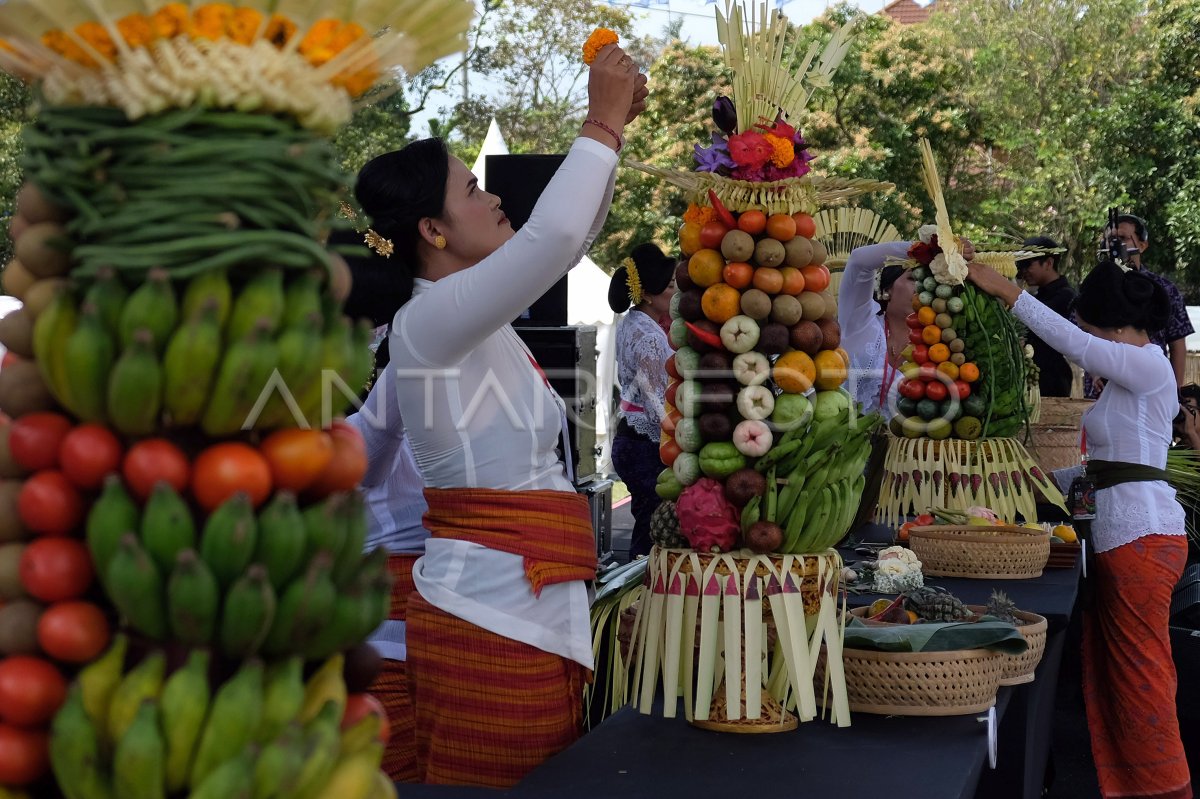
(633, 281)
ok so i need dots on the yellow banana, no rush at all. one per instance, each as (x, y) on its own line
(51, 330)
(354, 775)
(361, 735)
(234, 718)
(99, 680)
(326, 685)
(383, 788)
(184, 705)
(144, 682)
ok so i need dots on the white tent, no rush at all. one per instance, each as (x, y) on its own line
(493, 144)
(587, 304)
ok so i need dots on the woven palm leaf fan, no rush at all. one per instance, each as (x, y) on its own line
(843, 230)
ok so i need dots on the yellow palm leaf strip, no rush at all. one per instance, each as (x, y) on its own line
(933, 186)
(654, 604)
(731, 616)
(752, 642)
(710, 614)
(691, 609)
(672, 640)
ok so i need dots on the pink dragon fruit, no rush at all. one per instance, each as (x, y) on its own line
(707, 519)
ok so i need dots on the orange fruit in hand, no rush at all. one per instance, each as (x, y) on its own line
(769, 279)
(738, 274)
(816, 278)
(753, 221)
(926, 316)
(939, 353)
(794, 372)
(930, 334)
(781, 227)
(968, 372)
(689, 238)
(831, 370)
(721, 302)
(793, 281)
(705, 267)
(806, 226)
(946, 367)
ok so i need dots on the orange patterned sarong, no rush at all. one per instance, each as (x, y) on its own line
(391, 686)
(1128, 674)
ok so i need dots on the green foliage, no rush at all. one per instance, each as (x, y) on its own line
(14, 102)
(373, 131)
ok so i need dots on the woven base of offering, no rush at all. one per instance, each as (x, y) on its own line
(771, 717)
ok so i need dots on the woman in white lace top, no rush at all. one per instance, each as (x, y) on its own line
(647, 282)
(1138, 536)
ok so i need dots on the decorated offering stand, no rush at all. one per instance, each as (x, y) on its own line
(173, 469)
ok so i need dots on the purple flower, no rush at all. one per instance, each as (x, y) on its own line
(715, 158)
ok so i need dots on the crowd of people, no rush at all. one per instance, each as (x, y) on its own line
(488, 645)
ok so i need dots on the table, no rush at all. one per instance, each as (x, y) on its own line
(633, 755)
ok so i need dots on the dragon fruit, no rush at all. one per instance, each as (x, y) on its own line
(707, 519)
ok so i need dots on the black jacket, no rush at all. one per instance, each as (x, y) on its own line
(1055, 373)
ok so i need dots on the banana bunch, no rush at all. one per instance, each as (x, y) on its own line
(994, 342)
(285, 581)
(820, 468)
(211, 356)
(265, 732)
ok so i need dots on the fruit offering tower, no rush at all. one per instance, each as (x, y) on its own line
(963, 393)
(764, 447)
(185, 593)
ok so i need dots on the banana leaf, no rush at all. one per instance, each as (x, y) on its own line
(935, 637)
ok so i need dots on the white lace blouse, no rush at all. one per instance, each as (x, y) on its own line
(642, 352)
(1131, 423)
(479, 414)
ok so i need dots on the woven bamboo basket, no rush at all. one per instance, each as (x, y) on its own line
(1054, 439)
(921, 683)
(1020, 668)
(1001, 552)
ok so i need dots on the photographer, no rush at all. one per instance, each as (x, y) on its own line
(1053, 291)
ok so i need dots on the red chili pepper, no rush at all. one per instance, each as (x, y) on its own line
(721, 210)
(711, 339)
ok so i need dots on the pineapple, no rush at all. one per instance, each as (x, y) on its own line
(936, 604)
(1003, 608)
(664, 527)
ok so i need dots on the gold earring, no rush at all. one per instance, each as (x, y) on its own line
(439, 241)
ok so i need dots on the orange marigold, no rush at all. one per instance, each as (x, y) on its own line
(600, 38)
(211, 21)
(783, 152)
(171, 20)
(245, 25)
(328, 37)
(136, 29)
(96, 35)
(280, 30)
(699, 214)
(59, 42)
(356, 83)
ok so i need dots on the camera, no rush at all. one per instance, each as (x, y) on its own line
(1111, 247)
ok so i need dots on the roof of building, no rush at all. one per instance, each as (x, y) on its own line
(907, 12)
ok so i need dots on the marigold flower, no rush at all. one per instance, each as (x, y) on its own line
(244, 25)
(96, 35)
(356, 83)
(210, 21)
(328, 37)
(783, 152)
(699, 214)
(136, 29)
(65, 46)
(600, 38)
(280, 30)
(171, 20)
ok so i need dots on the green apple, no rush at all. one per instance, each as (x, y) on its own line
(791, 411)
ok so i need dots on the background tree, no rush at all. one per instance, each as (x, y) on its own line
(14, 102)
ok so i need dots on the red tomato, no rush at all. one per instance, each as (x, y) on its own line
(711, 235)
(50, 504)
(672, 370)
(668, 452)
(24, 755)
(936, 390)
(152, 460)
(912, 389)
(924, 520)
(902, 534)
(358, 706)
(915, 337)
(56, 569)
(88, 454)
(73, 632)
(296, 457)
(35, 437)
(31, 690)
(349, 462)
(920, 353)
(672, 389)
(963, 389)
(927, 372)
(223, 470)
(913, 322)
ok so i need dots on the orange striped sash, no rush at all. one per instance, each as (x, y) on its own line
(551, 530)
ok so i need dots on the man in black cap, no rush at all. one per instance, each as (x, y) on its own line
(1053, 290)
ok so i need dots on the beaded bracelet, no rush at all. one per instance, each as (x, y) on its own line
(606, 129)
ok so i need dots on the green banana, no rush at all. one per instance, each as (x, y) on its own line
(282, 541)
(98, 681)
(259, 304)
(353, 609)
(229, 538)
(138, 763)
(233, 719)
(283, 696)
(359, 361)
(790, 493)
(190, 365)
(324, 743)
(136, 588)
(353, 776)
(152, 306)
(231, 779)
(184, 706)
(302, 298)
(297, 368)
(325, 525)
(795, 525)
(89, 358)
(353, 513)
(208, 290)
(334, 348)
(143, 682)
(247, 613)
(112, 515)
(360, 735)
(167, 526)
(245, 372)
(135, 387)
(279, 764)
(51, 330)
(75, 751)
(304, 609)
(193, 598)
(108, 295)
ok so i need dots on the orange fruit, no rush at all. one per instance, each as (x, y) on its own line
(926, 315)
(689, 238)
(770, 280)
(793, 280)
(781, 227)
(721, 302)
(968, 372)
(794, 372)
(930, 334)
(705, 267)
(916, 302)
(753, 221)
(939, 353)
(806, 226)
(816, 278)
(845, 356)
(831, 370)
(947, 368)
(296, 457)
(738, 274)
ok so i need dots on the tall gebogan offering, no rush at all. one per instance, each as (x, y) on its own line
(193, 595)
(764, 447)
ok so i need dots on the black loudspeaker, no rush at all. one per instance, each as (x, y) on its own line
(519, 180)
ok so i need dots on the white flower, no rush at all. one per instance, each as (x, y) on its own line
(926, 233)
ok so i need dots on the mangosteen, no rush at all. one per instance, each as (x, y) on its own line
(806, 336)
(717, 397)
(704, 335)
(716, 365)
(716, 427)
(744, 485)
(690, 309)
(831, 334)
(683, 281)
(764, 537)
(772, 339)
